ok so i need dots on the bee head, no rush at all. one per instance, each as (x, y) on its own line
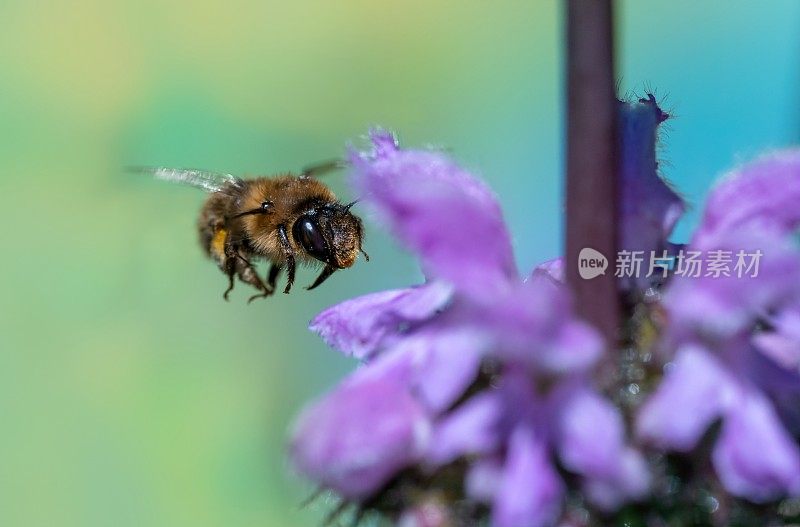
(330, 233)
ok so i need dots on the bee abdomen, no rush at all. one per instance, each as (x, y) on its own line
(211, 226)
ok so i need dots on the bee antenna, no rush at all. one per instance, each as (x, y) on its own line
(347, 207)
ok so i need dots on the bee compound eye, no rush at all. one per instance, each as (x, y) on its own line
(308, 233)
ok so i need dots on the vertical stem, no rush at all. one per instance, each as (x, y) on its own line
(591, 159)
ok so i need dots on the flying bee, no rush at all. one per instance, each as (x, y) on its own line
(286, 220)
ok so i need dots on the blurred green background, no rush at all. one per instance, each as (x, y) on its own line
(130, 392)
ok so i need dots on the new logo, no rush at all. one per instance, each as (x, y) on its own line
(591, 263)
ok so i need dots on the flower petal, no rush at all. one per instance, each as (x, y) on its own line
(782, 344)
(780, 384)
(472, 428)
(552, 270)
(591, 434)
(693, 393)
(358, 327)
(575, 347)
(719, 307)
(442, 363)
(779, 347)
(357, 437)
(649, 207)
(534, 324)
(592, 444)
(444, 214)
(751, 211)
(483, 479)
(754, 456)
(765, 192)
(631, 482)
(530, 490)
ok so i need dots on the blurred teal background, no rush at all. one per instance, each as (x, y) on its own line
(131, 394)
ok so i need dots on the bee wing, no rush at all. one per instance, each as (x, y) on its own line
(202, 179)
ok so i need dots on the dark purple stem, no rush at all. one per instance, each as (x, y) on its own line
(591, 159)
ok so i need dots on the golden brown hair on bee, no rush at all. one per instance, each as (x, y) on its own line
(284, 219)
(288, 197)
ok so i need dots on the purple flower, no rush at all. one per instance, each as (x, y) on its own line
(364, 431)
(737, 338)
(693, 394)
(530, 490)
(592, 443)
(429, 345)
(649, 207)
(764, 194)
(754, 456)
(441, 212)
(749, 212)
(482, 381)
(360, 326)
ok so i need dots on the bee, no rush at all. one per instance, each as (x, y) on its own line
(286, 220)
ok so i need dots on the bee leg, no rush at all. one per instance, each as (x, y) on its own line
(274, 271)
(326, 272)
(264, 294)
(248, 274)
(230, 270)
(289, 254)
(230, 287)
